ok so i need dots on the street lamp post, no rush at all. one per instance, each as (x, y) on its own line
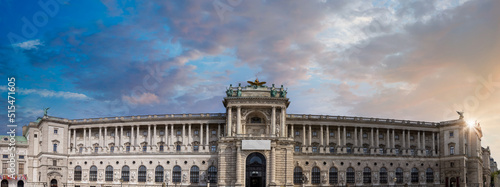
(121, 182)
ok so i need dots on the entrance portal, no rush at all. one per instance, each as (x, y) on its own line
(5, 183)
(53, 183)
(20, 184)
(255, 170)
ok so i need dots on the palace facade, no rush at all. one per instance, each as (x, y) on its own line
(254, 143)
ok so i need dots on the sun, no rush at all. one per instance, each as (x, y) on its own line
(471, 122)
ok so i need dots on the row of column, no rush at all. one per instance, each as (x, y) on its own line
(133, 138)
(373, 138)
(281, 131)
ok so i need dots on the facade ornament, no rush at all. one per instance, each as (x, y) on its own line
(324, 178)
(167, 176)
(238, 92)
(256, 83)
(150, 176)
(273, 91)
(184, 178)
(342, 177)
(229, 91)
(203, 176)
(359, 176)
(283, 91)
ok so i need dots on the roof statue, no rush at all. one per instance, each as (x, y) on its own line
(45, 111)
(256, 82)
(461, 114)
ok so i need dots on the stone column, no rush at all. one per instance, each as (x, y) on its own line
(121, 137)
(132, 134)
(172, 135)
(403, 138)
(238, 165)
(418, 140)
(293, 132)
(90, 137)
(361, 136)
(69, 141)
(371, 138)
(283, 119)
(229, 122)
(149, 136)
(218, 131)
(321, 136)
(423, 140)
(344, 142)
(238, 120)
(100, 137)
(387, 137)
(74, 139)
(189, 134)
(355, 136)
(273, 121)
(85, 137)
(377, 139)
(154, 135)
(304, 135)
(393, 139)
(433, 144)
(327, 135)
(116, 136)
(166, 135)
(409, 143)
(183, 134)
(201, 135)
(138, 135)
(310, 134)
(338, 136)
(208, 135)
(273, 165)
(104, 137)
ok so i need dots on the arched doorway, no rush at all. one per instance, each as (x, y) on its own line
(255, 170)
(53, 183)
(5, 183)
(20, 183)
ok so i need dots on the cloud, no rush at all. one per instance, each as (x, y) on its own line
(49, 93)
(30, 44)
(144, 98)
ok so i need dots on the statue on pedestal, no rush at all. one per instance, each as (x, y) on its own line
(229, 91)
(273, 91)
(238, 92)
(283, 92)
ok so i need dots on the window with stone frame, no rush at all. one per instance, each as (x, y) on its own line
(159, 174)
(125, 173)
(315, 133)
(93, 173)
(194, 174)
(332, 134)
(297, 133)
(162, 133)
(414, 175)
(383, 176)
(141, 174)
(212, 175)
(365, 136)
(315, 175)
(178, 146)
(334, 175)
(396, 137)
(348, 135)
(349, 148)
(196, 146)
(332, 147)
(297, 147)
(297, 175)
(412, 138)
(381, 136)
(314, 147)
(367, 175)
(399, 175)
(213, 146)
(350, 179)
(429, 173)
(381, 149)
(20, 169)
(109, 173)
(77, 173)
(176, 174)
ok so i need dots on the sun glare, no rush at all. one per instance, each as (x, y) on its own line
(471, 123)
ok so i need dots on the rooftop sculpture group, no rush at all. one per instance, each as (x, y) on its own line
(256, 84)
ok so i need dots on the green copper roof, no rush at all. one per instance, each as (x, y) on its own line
(19, 139)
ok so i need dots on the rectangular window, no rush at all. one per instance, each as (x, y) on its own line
(161, 148)
(365, 150)
(144, 148)
(55, 148)
(451, 133)
(96, 149)
(196, 132)
(128, 134)
(332, 149)
(162, 133)
(314, 149)
(21, 168)
(213, 148)
(55, 131)
(297, 149)
(348, 135)
(314, 133)
(21, 156)
(332, 134)
(54, 162)
(112, 134)
(214, 132)
(179, 133)
(5, 165)
(145, 133)
(195, 148)
(128, 148)
(81, 149)
(5, 156)
(178, 148)
(381, 151)
(112, 149)
(365, 135)
(452, 150)
(412, 138)
(297, 133)
(348, 149)
(396, 151)
(396, 137)
(380, 136)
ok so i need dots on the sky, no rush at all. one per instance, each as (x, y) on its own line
(415, 60)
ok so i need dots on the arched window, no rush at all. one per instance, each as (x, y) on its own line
(212, 174)
(350, 176)
(430, 175)
(367, 175)
(109, 173)
(78, 173)
(141, 175)
(93, 173)
(176, 174)
(414, 175)
(125, 173)
(383, 176)
(159, 174)
(194, 176)
(316, 175)
(399, 175)
(297, 175)
(334, 175)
